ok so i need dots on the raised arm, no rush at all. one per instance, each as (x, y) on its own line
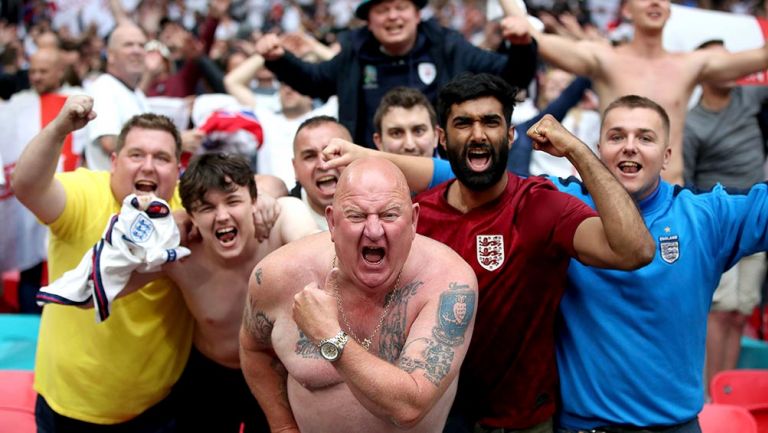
(301, 43)
(311, 79)
(263, 371)
(577, 57)
(404, 391)
(237, 80)
(120, 15)
(417, 170)
(619, 238)
(33, 179)
(722, 66)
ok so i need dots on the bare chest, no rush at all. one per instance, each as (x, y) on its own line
(668, 81)
(388, 334)
(214, 296)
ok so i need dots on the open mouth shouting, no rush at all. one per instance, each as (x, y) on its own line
(327, 184)
(145, 187)
(629, 167)
(226, 235)
(479, 157)
(373, 255)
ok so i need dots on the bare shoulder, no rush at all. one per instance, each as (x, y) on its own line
(280, 273)
(295, 220)
(291, 203)
(437, 262)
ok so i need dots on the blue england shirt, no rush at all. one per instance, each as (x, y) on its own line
(631, 344)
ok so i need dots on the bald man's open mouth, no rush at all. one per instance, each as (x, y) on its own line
(373, 255)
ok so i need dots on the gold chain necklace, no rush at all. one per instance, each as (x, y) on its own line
(366, 342)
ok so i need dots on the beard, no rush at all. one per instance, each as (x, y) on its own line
(479, 181)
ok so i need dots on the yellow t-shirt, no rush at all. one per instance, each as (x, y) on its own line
(108, 372)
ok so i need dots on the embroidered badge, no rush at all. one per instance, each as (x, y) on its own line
(141, 229)
(427, 73)
(370, 77)
(669, 246)
(490, 251)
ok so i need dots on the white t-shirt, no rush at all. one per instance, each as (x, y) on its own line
(320, 220)
(584, 124)
(114, 103)
(276, 154)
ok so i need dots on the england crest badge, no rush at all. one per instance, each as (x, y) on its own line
(427, 72)
(490, 251)
(141, 229)
(669, 246)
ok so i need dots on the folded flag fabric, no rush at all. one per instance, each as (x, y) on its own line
(232, 131)
(141, 238)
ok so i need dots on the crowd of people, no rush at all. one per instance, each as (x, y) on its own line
(398, 214)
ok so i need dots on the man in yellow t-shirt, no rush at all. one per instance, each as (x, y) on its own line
(118, 373)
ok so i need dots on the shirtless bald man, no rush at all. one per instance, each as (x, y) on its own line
(364, 327)
(643, 67)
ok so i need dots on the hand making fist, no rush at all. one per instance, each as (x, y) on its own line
(314, 309)
(550, 136)
(270, 47)
(75, 114)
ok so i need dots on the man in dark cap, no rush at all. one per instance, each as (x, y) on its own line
(396, 48)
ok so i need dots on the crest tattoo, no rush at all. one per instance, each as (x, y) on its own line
(454, 314)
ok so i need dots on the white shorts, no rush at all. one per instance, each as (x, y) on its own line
(739, 288)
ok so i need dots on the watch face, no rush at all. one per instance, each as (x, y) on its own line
(329, 351)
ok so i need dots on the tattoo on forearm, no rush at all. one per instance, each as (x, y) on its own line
(436, 363)
(257, 274)
(393, 335)
(257, 323)
(306, 348)
(454, 314)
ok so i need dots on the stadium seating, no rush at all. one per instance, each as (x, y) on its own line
(17, 402)
(745, 388)
(726, 418)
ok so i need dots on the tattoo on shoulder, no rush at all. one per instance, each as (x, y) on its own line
(257, 274)
(258, 324)
(305, 348)
(454, 314)
(435, 355)
(436, 362)
(393, 335)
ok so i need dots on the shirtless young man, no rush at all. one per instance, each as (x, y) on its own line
(643, 67)
(219, 193)
(362, 328)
